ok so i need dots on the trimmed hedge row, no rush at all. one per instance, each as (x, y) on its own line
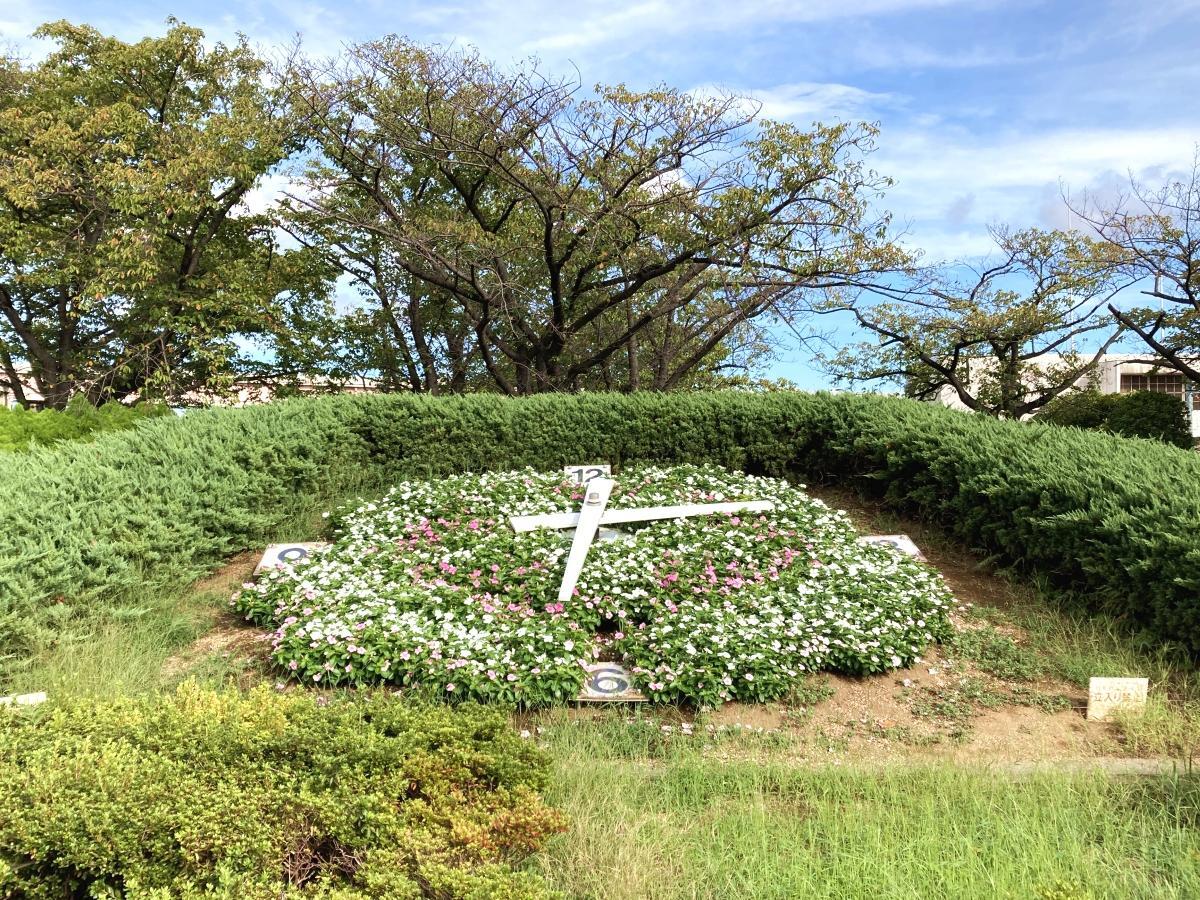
(1114, 519)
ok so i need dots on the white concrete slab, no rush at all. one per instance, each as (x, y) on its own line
(901, 542)
(24, 699)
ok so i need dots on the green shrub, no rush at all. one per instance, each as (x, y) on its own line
(264, 795)
(89, 525)
(1082, 409)
(1145, 414)
(22, 428)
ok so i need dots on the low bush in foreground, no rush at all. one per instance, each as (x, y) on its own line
(431, 586)
(265, 796)
(93, 526)
(20, 428)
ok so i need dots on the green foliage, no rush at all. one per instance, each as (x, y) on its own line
(996, 340)
(1145, 414)
(1151, 415)
(1079, 409)
(1116, 521)
(698, 823)
(1154, 232)
(265, 795)
(127, 254)
(21, 428)
(994, 653)
(617, 239)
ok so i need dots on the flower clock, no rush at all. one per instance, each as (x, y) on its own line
(432, 587)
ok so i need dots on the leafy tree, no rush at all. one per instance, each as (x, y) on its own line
(555, 241)
(409, 334)
(1155, 233)
(127, 254)
(1003, 340)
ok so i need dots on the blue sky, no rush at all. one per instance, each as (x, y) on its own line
(989, 110)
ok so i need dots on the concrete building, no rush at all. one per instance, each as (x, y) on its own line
(240, 393)
(1120, 373)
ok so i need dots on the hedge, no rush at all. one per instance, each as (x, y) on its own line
(262, 796)
(1145, 414)
(1114, 520)
(21, 428)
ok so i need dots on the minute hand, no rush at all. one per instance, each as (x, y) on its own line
(640, 514)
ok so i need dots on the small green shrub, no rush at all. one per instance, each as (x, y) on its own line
(1082, 409)
(994, 653)
(22, 428)
(1145, 414)
(262, 796)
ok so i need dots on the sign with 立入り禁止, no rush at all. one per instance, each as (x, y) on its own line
(1106, 695)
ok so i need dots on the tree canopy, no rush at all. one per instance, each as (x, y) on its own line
(1155, 233)
(1003, 339)
(507, 226)
(127, 255)
(501, 229)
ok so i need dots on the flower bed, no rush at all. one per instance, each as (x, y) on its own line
(431, 587)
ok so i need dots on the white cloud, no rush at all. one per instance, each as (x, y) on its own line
(1012, 178)
(269, 192)
(817, 100)
(18, 18)
(508, 28)
(806, 101)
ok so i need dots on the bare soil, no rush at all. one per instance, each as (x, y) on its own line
(873, 718)
(229, 640)
(229, 577)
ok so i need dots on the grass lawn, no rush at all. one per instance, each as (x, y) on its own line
(684, 822)
(904, 785)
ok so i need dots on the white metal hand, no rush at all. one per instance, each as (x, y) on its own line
(594, 502)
